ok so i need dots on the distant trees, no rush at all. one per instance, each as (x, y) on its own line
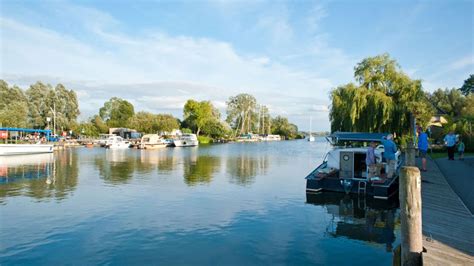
(382, 101)
(13, 106)
(153, 123)
(241, 112)
(468, 86)
(39, 101)
(282, 127)
(116, 112)
(200, 115)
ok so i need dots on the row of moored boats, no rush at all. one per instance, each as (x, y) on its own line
(148, 141)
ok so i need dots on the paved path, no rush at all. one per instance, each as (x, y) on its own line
(448, 226)
(460, 175)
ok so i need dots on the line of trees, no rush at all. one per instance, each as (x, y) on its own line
(31, 108)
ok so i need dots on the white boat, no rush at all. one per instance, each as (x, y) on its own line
(18, 149)
(270, 138)
(186, 140)
(102, 141)
(310, 137)
(152, 141)
(117, 142)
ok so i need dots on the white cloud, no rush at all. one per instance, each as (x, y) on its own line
(463, 62)
(159, 72)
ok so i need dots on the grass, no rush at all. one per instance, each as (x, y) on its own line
(438, 155)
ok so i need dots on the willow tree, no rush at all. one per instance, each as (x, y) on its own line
(382, 100)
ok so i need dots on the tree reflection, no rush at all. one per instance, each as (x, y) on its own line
(243, 169)
(201, 169)
(159, 158)
(116, 168)
(41, 176)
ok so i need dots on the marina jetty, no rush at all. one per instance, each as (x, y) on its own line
(448, 225)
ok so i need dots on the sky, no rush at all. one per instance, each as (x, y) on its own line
(288, 54)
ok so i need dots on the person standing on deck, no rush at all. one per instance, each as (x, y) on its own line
(450, 142)
(423, 147)
(370, 160)
(390, 148)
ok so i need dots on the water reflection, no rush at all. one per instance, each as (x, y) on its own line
(243, 169)
(199, 170)
(161, 159)
(359, 218)
(117, 167)
(39, 176)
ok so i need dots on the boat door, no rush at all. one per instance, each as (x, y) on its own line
(346, 164)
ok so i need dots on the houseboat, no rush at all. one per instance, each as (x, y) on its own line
(152, 141)
(186, 140)
(344, 168)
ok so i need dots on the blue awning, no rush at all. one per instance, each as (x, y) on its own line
(29, 130)
(355, 136)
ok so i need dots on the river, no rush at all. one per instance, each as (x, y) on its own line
(227, 204)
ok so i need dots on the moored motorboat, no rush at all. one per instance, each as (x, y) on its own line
(344, 169)
(152, 141)
(186, 140)
(117, 142)
(18, 149)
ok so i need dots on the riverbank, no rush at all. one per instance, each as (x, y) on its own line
(448, 226)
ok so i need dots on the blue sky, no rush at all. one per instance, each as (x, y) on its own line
(158, 54)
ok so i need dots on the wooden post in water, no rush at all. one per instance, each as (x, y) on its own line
(410, 208)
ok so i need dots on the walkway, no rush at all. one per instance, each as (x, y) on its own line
(448, 226)
(460, 175)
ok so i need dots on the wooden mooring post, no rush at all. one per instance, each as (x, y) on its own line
(410, 214)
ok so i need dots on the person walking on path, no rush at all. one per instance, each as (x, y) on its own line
(390, 148)
(461, 148)
(423, 147)
(450, 142)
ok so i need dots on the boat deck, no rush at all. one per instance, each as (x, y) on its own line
(448, 226)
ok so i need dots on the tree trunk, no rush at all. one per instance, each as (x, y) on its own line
(198, 130)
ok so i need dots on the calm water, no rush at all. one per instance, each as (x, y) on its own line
(229, 204)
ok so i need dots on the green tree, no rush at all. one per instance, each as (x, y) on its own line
(382, 101)
(198, 114)
(13, 106)
(143, 122)
(166, 123)
(241, 112)
(468, 86)
(98, 123)
(116, 112)
(450, 101)
(281, 126)
(44, 101)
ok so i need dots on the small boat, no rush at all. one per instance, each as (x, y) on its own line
(270, 137)
(186, 140)
(310, 137)
(344, 168)
(103, 138)
(117, 142)
(18, 149)
(152, 141)
(249, 137)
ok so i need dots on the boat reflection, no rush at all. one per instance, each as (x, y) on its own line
(40, 176)
(360, 218)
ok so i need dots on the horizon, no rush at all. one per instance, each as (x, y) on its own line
(288, 55)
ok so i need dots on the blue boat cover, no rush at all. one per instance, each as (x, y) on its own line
(355, 136)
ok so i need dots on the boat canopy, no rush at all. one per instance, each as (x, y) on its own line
(355, 137)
